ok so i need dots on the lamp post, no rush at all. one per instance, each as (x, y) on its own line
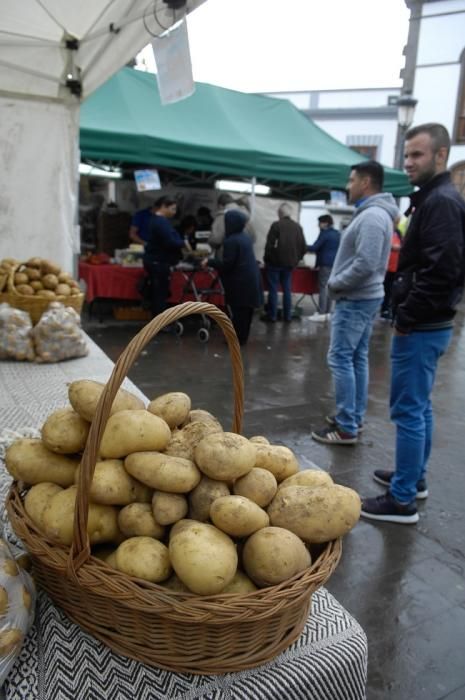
(405, 110)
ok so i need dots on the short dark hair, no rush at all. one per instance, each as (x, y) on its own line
(326, 219)
(224, 199)
(373, 170)
(438, 133)
(165, 201)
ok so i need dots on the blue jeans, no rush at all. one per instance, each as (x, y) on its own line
(279, 276)
(351, 326)
(414, 359)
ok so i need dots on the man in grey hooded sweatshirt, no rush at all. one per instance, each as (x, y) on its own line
(356, 283)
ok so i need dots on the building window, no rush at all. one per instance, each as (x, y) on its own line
(460, 118)
(369, 151)
(457, 173)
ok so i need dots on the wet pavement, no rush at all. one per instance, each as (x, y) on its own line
(404, 584)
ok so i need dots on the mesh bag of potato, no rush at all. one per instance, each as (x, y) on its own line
(17, 602)
(58, 335)
(15, 334)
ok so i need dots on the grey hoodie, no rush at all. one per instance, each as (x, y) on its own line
(360, 265)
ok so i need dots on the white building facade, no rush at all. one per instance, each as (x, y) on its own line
(435, 71)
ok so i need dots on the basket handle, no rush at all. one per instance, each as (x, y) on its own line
(80, 547)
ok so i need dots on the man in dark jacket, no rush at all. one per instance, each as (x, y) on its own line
(285, 246)
(162, 251)
(239, 273)
(325, 247)
(425, 293)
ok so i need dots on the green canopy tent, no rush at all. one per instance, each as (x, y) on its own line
(216, 133)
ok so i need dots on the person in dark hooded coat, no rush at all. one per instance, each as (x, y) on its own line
(239, 273)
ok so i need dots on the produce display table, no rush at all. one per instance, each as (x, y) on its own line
(59, 660)
(118, 282)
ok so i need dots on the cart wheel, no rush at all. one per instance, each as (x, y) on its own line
(203, 335)
(178, 329)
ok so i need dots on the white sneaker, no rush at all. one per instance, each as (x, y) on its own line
(319, 317)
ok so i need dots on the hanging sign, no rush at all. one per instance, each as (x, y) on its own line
(174, 68)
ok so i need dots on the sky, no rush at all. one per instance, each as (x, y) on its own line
(293, 45)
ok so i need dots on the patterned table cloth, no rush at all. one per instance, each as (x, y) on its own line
(60, 661)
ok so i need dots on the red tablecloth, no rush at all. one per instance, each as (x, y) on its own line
(304, 280)
(117, 282)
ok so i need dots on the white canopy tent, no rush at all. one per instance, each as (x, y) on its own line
(54, 53)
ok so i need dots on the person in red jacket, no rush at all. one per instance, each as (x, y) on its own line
(393, 262)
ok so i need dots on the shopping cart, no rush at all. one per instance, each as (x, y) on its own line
(201, 284)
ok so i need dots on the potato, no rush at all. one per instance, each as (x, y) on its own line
(259, 485)
(174, 583)
(137, 519)
(260, 440)
(131, 431)
(50, 281)
(240, 585)
(46, 294)
(65, 432)
(37, 499)
(225, 456)
(203, 495)
(10, 641)
(30, 461)
(198, 415)
(237, 516)
(34, 262)
(112, 485)
(279, 460)
(84, 395)
(36, 285)
(272, 555)
(173, 407)
(307, 477)
(33, 275)
(49, 267)
(63, 289)
(168, 508)
(203, 557)
(184, 441)
(58, 519)
(25, 289)
(316, 514)
(20, 278)
(163, 472)
(145, 558)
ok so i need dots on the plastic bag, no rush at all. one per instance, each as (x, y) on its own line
(17, 606)
(15, 334)
(58, 335)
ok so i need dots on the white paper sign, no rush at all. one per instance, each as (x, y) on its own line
(147, 180)
(174, 68)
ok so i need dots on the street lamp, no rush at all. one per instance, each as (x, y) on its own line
(405, 110)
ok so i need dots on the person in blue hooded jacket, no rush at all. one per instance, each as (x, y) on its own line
(239, 273)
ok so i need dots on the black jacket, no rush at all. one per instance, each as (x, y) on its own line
(285, 243)
(238, 269)
(430, 276)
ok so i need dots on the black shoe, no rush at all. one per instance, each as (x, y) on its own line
(334, 436)
(331, 420)
(386, 509)
(384, 477)
(267, 319)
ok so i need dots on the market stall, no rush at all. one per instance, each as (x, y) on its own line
(58, 658)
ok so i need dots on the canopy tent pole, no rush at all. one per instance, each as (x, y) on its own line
(252, 196)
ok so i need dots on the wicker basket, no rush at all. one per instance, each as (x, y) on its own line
(35, 306)
(174, 631)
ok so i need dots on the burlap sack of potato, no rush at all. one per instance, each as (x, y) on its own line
(15, 334)
(58, 335)
(17, 602)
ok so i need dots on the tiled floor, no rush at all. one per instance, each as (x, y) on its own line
(404, 584)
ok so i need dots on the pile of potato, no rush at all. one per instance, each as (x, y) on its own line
(39, 277)
(177, 501)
